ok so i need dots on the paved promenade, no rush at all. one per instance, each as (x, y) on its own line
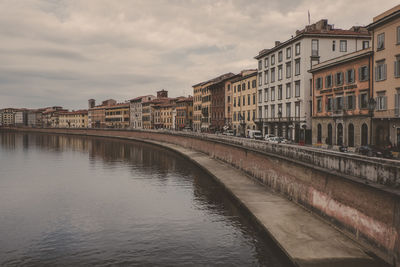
(307, 240)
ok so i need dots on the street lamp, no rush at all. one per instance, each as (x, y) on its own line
(371, 108)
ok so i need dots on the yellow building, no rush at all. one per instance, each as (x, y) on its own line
(117, 116)
(385, 30)
(244, 106)
(166, 115)
(73, 119)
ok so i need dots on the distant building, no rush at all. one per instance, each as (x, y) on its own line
(8, 116)
(284, 83)
(244, 102)
(341, 92)
(21, 117)
(50, 116)
(136, 111)
(73, 119)
(97, 114)
(385, 30)
(184, 113)
(117, 116)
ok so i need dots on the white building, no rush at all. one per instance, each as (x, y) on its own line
(136, 110)
(284, 83)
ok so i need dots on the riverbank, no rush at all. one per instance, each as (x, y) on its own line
(306, 239)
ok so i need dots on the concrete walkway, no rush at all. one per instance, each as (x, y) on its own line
(306, 239)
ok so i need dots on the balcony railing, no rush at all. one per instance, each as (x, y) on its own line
(280, 119)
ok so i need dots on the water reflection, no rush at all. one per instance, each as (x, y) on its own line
(69, 200)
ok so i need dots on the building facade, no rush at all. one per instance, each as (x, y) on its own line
(8, 116)
(285, 85)
(97, 114)
(244, 106)
(117, 116)
(342, 112)
(136, 110)
(385, 30)
(184, 113)
(74, 119)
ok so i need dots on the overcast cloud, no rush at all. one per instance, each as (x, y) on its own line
(63, 52)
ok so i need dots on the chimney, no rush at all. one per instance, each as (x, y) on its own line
(277, 43)
(162, 94)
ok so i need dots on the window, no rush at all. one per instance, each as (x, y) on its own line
(229, 99)
(363, 74)
(280, 110)
(319, 105)
(380, 41)
(333, 45)
(339, 103)
(328, 81)
(272, 111)
(350, 76)
(238, 101)
(254, 83)
(266, 77)
(259, 64)
(248, 115)
(248, 85)
(248, 100)
(350, 102)
(350, 135)
(343, 46)
(266, 94)
(289, 52)
(279, 72)
(380, 71)
(259, 96)
(254, 99)
(381, 102)
(339, 78)
(279, 92)
(259, 79)
(272, 60)
(297, 109)
(328, 106)
(297, 67)
(314, 48)
(398, 34)
(259, 112)
(272, 75)
(239, 88)
(288, 90)
(288, 70)
(280, 56)
(266, 62)
(265, 111)
(397, 67)
(272, 93)
(363, 101)
(244, 100)
(365, 44)
(234, 89)
(297, 49)
(318, 83)
(297, 89)
(397, 103)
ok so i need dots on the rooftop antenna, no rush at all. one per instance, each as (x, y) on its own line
(309, 17)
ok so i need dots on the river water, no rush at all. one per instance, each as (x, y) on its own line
(79, 201)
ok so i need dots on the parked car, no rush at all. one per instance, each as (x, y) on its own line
(228, 133)
(258, 136)
(374, 151)
(277, 140)
(268, 136)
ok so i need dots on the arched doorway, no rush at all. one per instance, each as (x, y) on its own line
(364, 134)
(319, 133)
(329, 138)
(350, 135)
(339, 134)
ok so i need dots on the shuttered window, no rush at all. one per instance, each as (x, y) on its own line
(380, 71)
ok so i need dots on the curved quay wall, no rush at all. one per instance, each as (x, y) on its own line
(358, 195)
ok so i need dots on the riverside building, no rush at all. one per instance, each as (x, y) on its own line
(244, 105)
(342, 112)
(385, 30)
(284, 83)
(136, 111)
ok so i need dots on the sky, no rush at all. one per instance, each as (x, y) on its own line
(64, 52)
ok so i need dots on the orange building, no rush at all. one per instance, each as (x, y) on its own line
(341, 100)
